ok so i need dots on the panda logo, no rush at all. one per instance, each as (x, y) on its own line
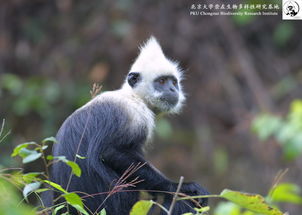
(291, 8)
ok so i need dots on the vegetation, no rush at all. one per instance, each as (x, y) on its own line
(287, 131)
(35, 183)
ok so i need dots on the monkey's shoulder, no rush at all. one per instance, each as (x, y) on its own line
(120, 107)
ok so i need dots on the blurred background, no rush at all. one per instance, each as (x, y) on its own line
(242, 122)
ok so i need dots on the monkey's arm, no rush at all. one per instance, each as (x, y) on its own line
(120, 160)
(117, 146)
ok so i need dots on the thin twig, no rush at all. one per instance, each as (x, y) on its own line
(121, 182)
(277, 180)
(44, 160)
(1, 131)
(95, 90)
(2, 126)
(175, 195)
(160, 206)
(199, 197)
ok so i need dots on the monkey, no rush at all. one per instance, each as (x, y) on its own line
(111, 132)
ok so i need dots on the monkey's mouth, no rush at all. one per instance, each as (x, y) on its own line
(169, 99)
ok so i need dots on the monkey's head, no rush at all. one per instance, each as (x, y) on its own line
(156, 79)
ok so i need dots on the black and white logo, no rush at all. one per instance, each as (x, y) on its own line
(291, 9)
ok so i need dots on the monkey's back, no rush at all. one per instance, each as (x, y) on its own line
(89, 132)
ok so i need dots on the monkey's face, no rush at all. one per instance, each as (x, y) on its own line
(161, 94)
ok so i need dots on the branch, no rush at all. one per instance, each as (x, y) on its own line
(175, 195)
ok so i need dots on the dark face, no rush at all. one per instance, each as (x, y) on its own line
(167, 86)
(160, 94)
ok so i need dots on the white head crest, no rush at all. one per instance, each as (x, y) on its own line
(152, 61)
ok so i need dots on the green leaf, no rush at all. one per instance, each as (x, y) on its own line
(57, 186)
(266, 125)
(75, 201)
(80, 157)
(55, 211)
(44, 147)
(29, 188)
(50, 157)
(61, 158)
(18, 148)
(228, 208)
(12, 83)
(75, 168)
(286, 192)
(252, 202)
(81, 209)
(24, 152)
(202, 209)
(283, 33)
(41, 190)
(103, 212)
(31, 157)
(141, 207)
(49, 139)
(32, 176)
(10, 201)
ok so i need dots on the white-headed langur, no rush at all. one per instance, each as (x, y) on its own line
(111, 131)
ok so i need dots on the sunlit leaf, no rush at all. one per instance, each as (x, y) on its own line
(103, 212)
(10, 201)
(32, 176)
(41, 190)
(30, 188)
(75, 168)
(18, 148)
(252, 202)
(80, 157)
(202, 209)
(141, 207)
(31, 157)
(266, 125)
(56, 210)
(57, 186)
(286, 192)
(227, 208)
(75, 201)
(81, 209)
(44, 147)
(50, 157)
(49, 139)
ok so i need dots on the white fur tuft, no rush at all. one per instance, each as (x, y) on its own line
(152, 62)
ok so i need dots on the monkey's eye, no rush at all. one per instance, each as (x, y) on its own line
(162, 81)
(174, 82)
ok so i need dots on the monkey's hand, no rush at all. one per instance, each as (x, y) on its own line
(194, 189)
